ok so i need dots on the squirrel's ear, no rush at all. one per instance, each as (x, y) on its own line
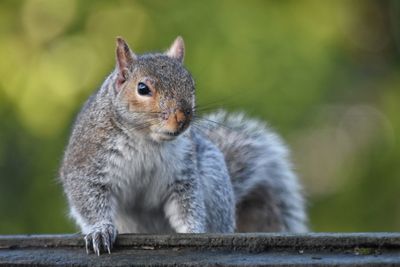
(177, 49)
(125, 59)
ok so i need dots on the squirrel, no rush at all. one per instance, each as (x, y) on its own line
(139, 161)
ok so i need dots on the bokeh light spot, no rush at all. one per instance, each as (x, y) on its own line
(45, 19)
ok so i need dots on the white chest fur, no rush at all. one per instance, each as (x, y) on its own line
(141, 175)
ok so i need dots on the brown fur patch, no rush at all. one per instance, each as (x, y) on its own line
(175, 120)
(142, 104)
(180, 116)
(171, 124)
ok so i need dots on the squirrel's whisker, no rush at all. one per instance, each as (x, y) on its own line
(211, 121)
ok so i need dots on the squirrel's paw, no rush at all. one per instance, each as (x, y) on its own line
(101, 236)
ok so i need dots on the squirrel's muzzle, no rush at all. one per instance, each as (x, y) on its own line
(176, 121)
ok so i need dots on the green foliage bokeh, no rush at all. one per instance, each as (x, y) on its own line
(324, 74)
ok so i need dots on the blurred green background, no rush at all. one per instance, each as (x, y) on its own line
(324, 74)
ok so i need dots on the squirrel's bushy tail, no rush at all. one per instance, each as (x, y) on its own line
(268, 195)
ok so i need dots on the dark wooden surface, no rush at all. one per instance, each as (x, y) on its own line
(258, 249)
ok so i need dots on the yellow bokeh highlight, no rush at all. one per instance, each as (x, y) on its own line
(45, 19)
(15, 55)
(107, 22)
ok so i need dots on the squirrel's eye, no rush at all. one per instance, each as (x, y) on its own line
(143, 89)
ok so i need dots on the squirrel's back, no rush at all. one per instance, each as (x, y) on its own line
(267, 192)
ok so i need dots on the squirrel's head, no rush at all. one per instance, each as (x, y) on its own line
(154, 93)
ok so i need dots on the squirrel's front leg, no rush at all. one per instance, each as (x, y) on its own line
(91, 206)
(185, 207)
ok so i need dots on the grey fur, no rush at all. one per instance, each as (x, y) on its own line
(119, 176)
(257, 159)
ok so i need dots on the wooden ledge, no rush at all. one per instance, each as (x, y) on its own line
(255, 249)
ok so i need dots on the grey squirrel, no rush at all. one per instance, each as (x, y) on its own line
(138, 161)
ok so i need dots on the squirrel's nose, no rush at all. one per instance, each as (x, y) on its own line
(175, 121)
(180, 117)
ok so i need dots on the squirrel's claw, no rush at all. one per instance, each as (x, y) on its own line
(88, 242)
(106, 239)
(102, 237)
(96, 240)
